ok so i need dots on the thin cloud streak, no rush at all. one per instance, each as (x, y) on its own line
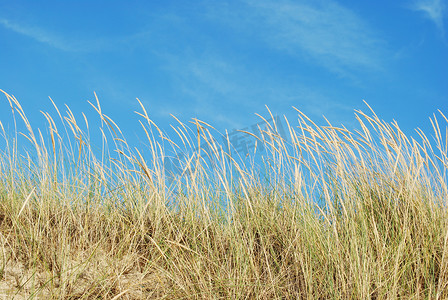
(435, 10)
(329, 32)
(324, 31)
(56, 41)
(36, 34)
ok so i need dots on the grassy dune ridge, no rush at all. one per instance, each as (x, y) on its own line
(334, 214)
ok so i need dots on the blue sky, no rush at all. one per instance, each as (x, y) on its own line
(223, 61)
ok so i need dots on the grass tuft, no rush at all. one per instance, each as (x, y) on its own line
(327, 213)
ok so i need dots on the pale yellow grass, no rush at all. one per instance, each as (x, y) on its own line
(77, 223)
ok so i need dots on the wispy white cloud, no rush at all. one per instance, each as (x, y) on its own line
(55, 40)
(435, 10)
(324, 31)
(36, 34)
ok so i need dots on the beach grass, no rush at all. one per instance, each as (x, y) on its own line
(324, 212)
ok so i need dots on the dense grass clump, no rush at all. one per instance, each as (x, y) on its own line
(326, 213)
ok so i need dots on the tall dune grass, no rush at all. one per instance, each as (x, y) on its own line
(328, 213)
